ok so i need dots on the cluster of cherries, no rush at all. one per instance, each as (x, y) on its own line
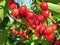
(24, 35)
(37, 22)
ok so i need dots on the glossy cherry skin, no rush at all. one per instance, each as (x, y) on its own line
(42, 29)
(44, 6)
(37, 28)
(12, 6)
(54, 27)
(40, 18)
(15, 12)
(29, 15)
(46, 14)
(49, 30)
(14, 32)
(30, 22)
(33, 26)
(36, 22)
(22, 9)
(50, 37)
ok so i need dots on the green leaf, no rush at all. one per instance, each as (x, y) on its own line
(1, 15)
(53, 1)
(3, 2)
(54, 7)
(57, 16)
(3, 36)
(45, 42)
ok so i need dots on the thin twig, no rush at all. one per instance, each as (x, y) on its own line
(52, 19)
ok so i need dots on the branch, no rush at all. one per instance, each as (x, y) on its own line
(52, 20)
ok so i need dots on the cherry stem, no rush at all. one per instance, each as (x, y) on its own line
(52, 20)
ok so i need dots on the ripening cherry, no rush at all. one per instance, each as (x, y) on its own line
(40, 18)
(15, 12)
(12, 6)
(43, 24)
(44, 6)
(46, 14)
(22, 9)
(49, 30)
(14, 31)
(30, 15)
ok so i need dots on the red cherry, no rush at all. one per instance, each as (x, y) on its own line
(22, 9)
(35, 22)
(30, 14)
(42, 29)
(43, 24)
(33, 26)
(30, 22)
(57, 42)
(18, 17)
(44, 6)
(40, 18)
(49, 30)
(54, 27)
(25, 36)
(37, 28)
(44, 34)
(15, 12)
(46, 14)
(38, 34)
(10, 1)
(13, 31)
(16, 32)
(20, 33)
(12, 5)
(50, 37)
